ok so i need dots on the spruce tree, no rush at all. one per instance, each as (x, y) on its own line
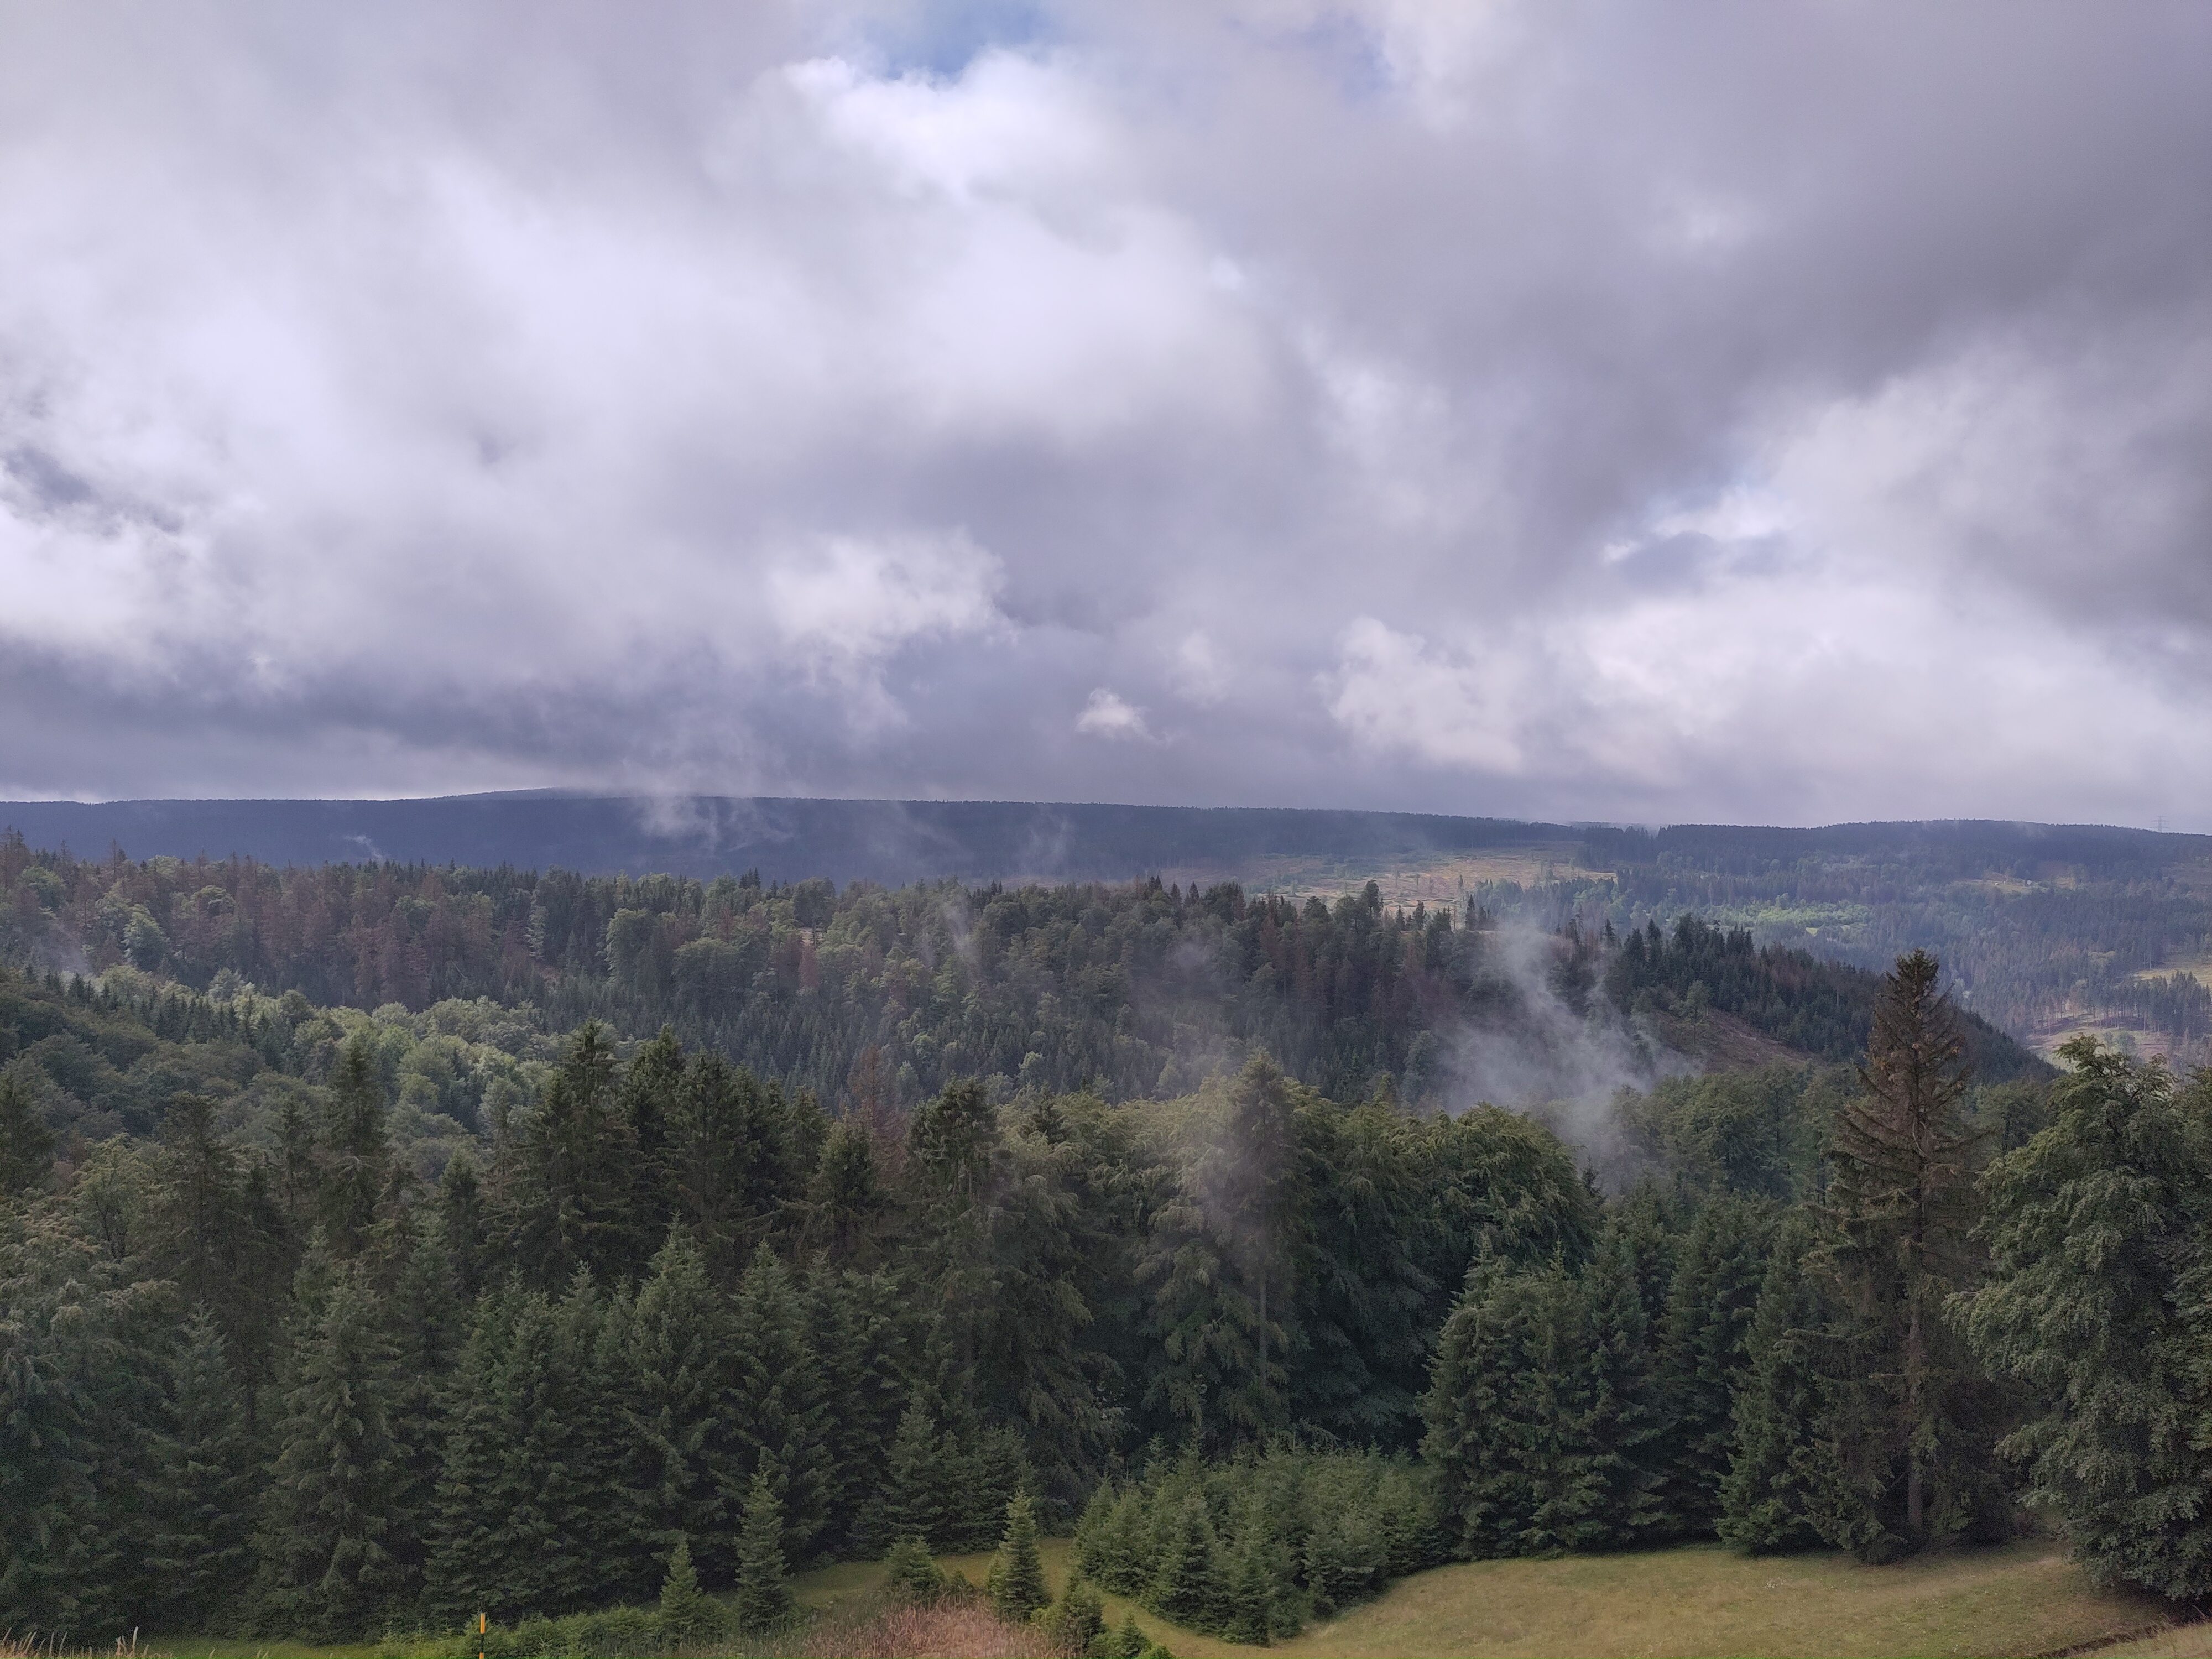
(690, 1429)
(1780, 1456)
(64, 1367)
(328, 1515)
(199, 1200)
(1617, 1446)
(299, 1175)
(1077, 1619)
(358, 1156)
(472, 1543)
(532, 1508)
(911, 1573)
(921, 1494)
(425, 1323)
(782, 1406)
(845, 1200)
(567, 1206)
(994, 1468)
(1362, 1359)
(1703, 1352)
(738, 1164)
(856, 1325)
(1220, 1260)
(1913, 1424)
(462, 1221)
(763, 1577)
(2097, 1301)
(687, 1615)
(1245, 1608)
(647, 1105)
(200, 1485)
(1509, 1410)
(616, 1531)
(1183, 1586)
(1090, 1543)
(1017, 1585)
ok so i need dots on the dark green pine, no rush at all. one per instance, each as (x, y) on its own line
(200, 1486)
(1704, 1353)
(764, 1599)
(2099, 1299)
(1017, 1585)
(1621, 1432)
(922, 1495)
(783, 1406)
(328, 1512)
(690, 1430)
(1769, 1495)
(855, 1326)
(1183, 1586)
(357, 1158)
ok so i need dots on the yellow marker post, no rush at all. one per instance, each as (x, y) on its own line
(481, 1627)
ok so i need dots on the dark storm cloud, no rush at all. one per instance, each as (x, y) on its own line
(1775, 411)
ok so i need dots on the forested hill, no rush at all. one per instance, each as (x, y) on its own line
(2044, 928)
(888, 842)
(1134, 990)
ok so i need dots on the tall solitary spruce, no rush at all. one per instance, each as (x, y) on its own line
(1913, 1421)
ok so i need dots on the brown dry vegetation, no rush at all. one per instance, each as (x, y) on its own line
(960, 1628)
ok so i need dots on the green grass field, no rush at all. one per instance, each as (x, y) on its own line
(2025, 1599)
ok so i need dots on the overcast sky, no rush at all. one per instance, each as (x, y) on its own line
(1757, 412)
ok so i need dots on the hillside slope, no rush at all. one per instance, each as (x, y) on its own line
(1132, 990)
(1699, 1600)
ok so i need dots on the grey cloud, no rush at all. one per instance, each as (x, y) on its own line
(1571, 409)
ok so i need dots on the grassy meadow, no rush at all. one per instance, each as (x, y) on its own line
(1703, 1599)
(2025, 1599)
(2192, 1641)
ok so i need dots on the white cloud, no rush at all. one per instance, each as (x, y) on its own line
(1395, 691)
(1199, 672)
(1107, 716)
(844, 607)
(857, 601)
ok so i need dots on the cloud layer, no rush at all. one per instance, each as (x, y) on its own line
(1788, 411)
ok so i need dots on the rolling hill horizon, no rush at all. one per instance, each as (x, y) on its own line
(894, 841)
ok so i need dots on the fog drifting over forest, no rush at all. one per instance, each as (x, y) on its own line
(1774, 411)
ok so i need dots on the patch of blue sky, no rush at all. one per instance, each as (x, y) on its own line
(941, 38)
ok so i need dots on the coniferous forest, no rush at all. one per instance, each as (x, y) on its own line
(382, 1248)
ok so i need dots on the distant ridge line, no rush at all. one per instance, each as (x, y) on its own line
(792, 838)
(786, 838)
